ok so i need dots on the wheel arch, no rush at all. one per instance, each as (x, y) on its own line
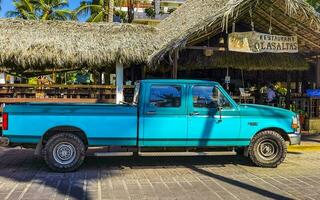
(69, 129)
(280, 131)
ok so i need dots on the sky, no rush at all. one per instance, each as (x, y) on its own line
(7, 5)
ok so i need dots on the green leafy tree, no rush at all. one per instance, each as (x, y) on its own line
(103, 10)
(53, 9)
(97, 9)
(150, 12)
(41, 9)
(24, 9)
(315, 4)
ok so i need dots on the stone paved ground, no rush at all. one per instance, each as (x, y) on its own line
(22, 176)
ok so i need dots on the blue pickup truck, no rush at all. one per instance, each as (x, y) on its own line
(182, 114)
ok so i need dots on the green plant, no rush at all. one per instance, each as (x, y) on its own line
(171, 10)
(33, 80)
(53, 9)
(97, 9)
(150, 12)
(41, 9)
(315, 4)
(121, 14)
(280, 89)
(24, 9)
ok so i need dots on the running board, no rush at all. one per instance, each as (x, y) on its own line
(225, 153)
(112, 154)
(164, 154)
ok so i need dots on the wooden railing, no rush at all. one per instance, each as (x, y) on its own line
(14, 93)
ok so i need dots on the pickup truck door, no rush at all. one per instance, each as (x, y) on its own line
(164, 115)
(207, 125)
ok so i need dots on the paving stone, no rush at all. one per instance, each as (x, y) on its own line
(23, 176)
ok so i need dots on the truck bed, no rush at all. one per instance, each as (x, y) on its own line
(102, 123)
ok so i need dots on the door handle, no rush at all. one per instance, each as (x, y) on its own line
(151, 112)
(194, 114)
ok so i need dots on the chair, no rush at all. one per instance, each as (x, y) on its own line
(244, 95)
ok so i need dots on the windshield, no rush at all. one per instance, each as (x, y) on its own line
(136, 94)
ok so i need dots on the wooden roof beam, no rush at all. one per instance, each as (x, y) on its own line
(288, 28)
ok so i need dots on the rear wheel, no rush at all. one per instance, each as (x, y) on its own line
(64, 152)
(267, 149)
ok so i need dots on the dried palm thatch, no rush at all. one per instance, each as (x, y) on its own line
(191, 59)
(35, 45)
(210, 17)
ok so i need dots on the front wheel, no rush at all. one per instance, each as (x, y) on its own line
(267, 149)
(64, 152)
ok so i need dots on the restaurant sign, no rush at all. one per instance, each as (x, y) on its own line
(254, 42)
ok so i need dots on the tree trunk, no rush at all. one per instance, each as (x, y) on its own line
(45, 15)
(104, 10)
(130, 11)
(110, 10)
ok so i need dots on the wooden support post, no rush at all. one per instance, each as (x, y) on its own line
(132, 77)
(288, 97)
(157, 9)
(143, 72)
(318, 72)
(175, 64)
(119, 83)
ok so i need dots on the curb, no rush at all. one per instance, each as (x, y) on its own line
(304, 148)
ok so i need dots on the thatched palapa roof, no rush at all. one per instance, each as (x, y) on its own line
(197, 19)
(68, 45)
(48, 45)
(193, 60)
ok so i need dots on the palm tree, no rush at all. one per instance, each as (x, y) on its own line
(24, 9)
(315, 4)
(41, 9)
(130, 10)
(110, 10)
(98, 10)
(53, 9)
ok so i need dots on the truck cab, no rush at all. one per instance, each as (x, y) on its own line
(182, 114)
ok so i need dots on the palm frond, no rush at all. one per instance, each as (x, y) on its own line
(96, 18)
(13, 13)
(63, 14)
(87, 9)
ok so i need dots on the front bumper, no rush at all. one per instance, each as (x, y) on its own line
(295, 138)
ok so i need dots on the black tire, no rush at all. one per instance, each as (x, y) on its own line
(267, 149)
(64, 152)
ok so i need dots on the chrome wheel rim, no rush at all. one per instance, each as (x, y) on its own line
(64, 153)
(268, 149)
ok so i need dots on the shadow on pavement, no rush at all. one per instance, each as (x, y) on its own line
(166, 161)
(21, 166)
(295, 152)
(239, 184)
(311, 138)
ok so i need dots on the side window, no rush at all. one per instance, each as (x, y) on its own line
(165, 96)
(208, 97)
